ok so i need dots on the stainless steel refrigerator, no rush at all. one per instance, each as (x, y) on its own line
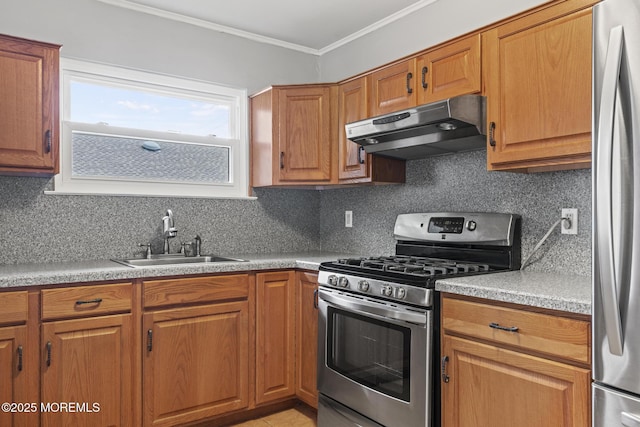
(616, 208)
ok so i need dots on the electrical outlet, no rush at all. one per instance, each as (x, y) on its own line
(348, 218)
(571, 226)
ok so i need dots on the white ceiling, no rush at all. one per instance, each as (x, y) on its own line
(309, 26)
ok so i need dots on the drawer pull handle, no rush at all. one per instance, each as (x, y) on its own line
(503, 328)
(409, 77)
(149, 340)
(445, 377)
(48, 353)
(89, 301)
(19, 358)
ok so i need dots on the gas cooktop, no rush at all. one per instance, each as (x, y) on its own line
(431, 246)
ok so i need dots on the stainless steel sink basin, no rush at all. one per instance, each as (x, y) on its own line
(175, 260)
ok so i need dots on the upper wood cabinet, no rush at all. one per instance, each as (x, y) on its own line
(538, 71)
(29, 111)
(356, 166)
(451, 70)
(293, 136)
(393, 88)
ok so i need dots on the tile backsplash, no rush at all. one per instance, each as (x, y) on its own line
(460, 182)
(51, 228)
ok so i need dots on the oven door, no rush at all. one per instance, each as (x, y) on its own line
(375, 357)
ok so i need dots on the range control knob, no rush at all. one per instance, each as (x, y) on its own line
(387, 291)
(333, 280)
(363, 285)
(343, 282)
(401, 293)
(471, 225)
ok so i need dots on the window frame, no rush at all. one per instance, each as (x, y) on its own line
(66, 183)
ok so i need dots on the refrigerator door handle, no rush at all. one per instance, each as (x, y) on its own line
(604, 205)
(629, 420)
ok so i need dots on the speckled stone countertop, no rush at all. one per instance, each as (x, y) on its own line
(21, 275)
(570, 293)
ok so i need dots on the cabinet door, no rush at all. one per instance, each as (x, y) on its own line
(307, 338)
(275, 328)
(13, 374)
(393, 88)
(352, 106)
(450, 71)
(539, 91)
(28, 106)
(88, 361)
(491, 386)
(196, 363)
(305, 134)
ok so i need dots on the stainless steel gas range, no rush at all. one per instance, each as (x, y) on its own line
(378, 331)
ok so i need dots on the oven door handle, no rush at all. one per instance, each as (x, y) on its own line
(373, 308)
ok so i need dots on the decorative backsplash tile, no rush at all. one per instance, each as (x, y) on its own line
(46, 228)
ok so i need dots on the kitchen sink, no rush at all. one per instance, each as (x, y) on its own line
(175, 260)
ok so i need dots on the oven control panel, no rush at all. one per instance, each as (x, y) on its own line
(377, 288)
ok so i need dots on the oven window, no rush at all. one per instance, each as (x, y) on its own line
(371, 352)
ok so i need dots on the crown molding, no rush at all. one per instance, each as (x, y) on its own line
(269, 40)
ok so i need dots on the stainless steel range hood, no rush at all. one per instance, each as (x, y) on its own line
(453, 125)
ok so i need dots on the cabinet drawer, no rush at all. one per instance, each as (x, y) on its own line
(85, 301)
(158, 293)
(13, 307)
(536, 332)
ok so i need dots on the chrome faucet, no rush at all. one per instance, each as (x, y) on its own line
(168, 229)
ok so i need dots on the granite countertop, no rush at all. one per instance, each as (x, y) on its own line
(21, 275)
(569, 293)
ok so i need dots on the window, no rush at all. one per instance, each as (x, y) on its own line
(132, 132)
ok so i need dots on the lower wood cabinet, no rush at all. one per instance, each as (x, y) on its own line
(196, 358)
(163, 352)
(88, 356)
(16, 371)
(88, 361)
(522, 371)
(307, 338)
(275, 339)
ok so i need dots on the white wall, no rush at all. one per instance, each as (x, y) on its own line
(433, 24)
(92, 30)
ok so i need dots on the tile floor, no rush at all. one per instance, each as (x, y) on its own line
(298, 416)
